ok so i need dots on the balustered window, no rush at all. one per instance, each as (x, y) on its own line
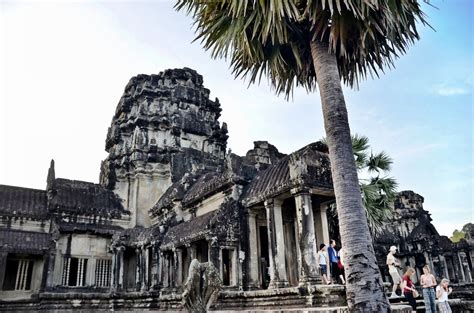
(74, 272)
(103, 270)
(18, 274)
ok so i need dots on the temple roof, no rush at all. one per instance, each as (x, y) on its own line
(308, 166)
(207, 184)
(273, 180)
(24, 242)
(189, 231)
(23, 202)
(94, 228)
(84, 198)
(137, 236)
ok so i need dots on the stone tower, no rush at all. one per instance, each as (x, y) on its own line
(164, 125)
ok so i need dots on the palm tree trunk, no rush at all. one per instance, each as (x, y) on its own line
(364, 286)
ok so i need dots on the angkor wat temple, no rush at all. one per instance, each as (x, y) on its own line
(169, 193)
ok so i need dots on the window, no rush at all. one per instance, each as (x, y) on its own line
(18, 273)
(74, 272)
(102, 272)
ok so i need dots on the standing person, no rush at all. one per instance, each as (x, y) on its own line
(323, 265)
(340, 255)
(428, 282)
(332, 253)
(442, 293)
(393, 263)
(408, 288)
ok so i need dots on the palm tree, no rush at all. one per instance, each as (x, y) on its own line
(317, 43)
(377, 189)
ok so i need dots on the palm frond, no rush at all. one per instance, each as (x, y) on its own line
(272, 38)
(379, 162)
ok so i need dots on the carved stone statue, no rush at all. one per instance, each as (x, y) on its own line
(202, 287)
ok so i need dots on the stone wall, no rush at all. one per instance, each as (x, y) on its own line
(158, 121)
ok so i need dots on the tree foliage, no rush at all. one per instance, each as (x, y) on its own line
(457, 235)
(378, 190)
(272, 38)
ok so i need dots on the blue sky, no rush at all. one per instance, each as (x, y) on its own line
(64, 65)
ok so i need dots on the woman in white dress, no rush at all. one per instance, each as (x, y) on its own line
(442, 293)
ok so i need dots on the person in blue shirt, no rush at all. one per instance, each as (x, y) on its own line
(332, 253)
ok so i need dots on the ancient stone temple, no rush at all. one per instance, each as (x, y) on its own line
(419, 243)
(170, 193)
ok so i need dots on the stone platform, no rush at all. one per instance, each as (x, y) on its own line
(319, 298)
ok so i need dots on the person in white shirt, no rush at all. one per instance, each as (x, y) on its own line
(392, 263)
(323, 264)
(442, 293)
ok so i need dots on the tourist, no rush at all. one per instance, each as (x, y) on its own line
(332, 253)
(428, 282)
(408, 288)
(442, 293)
(393, 263)
(340, 265)
(323, 263)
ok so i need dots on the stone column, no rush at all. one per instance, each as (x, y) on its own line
(159, 271)
(166, 277)
(307, 261)
(461, 267)
(193, 251)
(113, 276)
(3, 266)
(178, 256)
(321, 224)
(51, 261)
(154, 267)
(120, 260)
(276, 244)
(253, 281)
(138, 270)
(445, 266)
(144, 269)
(214, 254)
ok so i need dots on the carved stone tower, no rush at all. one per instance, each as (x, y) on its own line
(164, 125)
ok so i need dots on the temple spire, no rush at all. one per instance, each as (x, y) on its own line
(51, 175)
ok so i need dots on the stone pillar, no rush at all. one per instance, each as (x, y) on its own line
(461, 267)
(469, 265)
(214, 254)
(445, 266)
(276, 244)
(321, 224)
(178, 256)
(51, 260)
(154, 267)
(165, 275)
(253, 281)
(3, 266)
(120, 260)
(144, 268)
(307, 261)
(193, 251)
(159, 271)
(113, 276)
(138, 270)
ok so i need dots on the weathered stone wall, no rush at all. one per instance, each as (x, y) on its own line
(81, 246)
(158, 121)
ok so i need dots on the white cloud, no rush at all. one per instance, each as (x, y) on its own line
(450, 91)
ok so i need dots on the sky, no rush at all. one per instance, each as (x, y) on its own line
(64, 66)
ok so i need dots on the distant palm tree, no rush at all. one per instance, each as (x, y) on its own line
(309, 43)
(377, 189)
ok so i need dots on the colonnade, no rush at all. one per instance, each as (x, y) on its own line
(311, 225)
